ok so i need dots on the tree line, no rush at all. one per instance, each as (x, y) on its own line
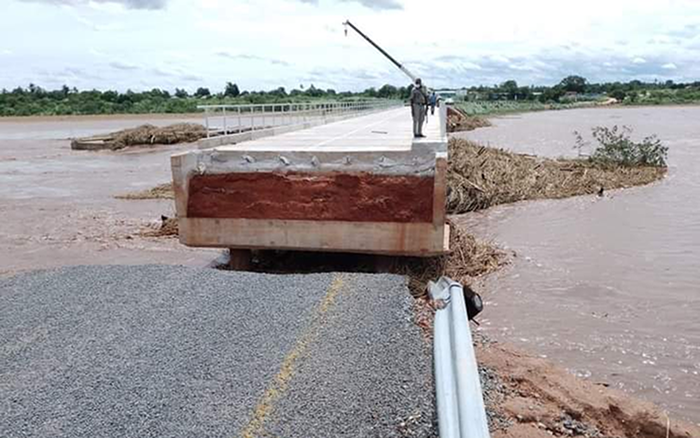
(35, 100)
(579, 88)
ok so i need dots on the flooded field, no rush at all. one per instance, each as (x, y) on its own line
(58, 207)
(608, 287)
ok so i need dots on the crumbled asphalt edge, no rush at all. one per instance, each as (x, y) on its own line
(367, 374)
(122, 351)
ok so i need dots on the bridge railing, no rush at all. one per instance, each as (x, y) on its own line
(236, 119)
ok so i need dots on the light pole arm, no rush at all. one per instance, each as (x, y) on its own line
(376, 46)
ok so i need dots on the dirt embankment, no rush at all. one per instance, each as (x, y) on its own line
(531, 398)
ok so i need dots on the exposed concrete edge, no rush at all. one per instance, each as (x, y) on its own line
(222, 140)
(214, 161)
(439, 145)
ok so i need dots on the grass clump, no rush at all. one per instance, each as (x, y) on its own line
(616, 147)
(162, 191)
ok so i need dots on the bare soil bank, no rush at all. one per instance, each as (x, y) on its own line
(533, 398)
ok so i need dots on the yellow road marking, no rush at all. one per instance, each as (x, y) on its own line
(280, 383)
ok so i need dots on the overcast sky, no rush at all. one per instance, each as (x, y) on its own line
(263, 44)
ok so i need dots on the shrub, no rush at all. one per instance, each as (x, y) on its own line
(616, 147)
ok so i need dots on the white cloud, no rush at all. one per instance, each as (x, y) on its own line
(249, 57)
(521, 67)
(97, 53)
(131, 4)
(372, 4)
(500, 58)
(123, 66)
(271, 43)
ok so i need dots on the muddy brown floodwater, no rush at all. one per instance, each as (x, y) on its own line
(57, 205)
(608, 287)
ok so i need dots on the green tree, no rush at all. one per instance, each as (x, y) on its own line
(181, 93)
(202, 92)
(231, 90)
(510, 88)
(387, 91)
(314, 92)
(574, 83)
(279, 92)
(110, 96)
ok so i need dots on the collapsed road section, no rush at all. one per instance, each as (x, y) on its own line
(358, 185)
(125, 351)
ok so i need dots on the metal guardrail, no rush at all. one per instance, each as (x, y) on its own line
(234, 119)
(460, 403)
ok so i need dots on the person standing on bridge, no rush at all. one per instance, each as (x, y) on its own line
(432, 101)
(419, 106)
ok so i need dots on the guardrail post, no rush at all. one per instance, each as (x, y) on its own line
(460, 403)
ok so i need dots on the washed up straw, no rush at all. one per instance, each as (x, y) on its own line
(479, 177)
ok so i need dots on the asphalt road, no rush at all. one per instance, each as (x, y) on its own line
(139, 351)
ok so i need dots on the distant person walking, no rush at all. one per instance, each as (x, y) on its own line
(432, 101)
(419, 102)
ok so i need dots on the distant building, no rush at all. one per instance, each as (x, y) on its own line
(447, 93)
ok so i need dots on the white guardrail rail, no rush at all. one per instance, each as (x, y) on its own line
(460, 403)
(235, 119)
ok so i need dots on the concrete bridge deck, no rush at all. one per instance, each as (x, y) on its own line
(389, 130)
